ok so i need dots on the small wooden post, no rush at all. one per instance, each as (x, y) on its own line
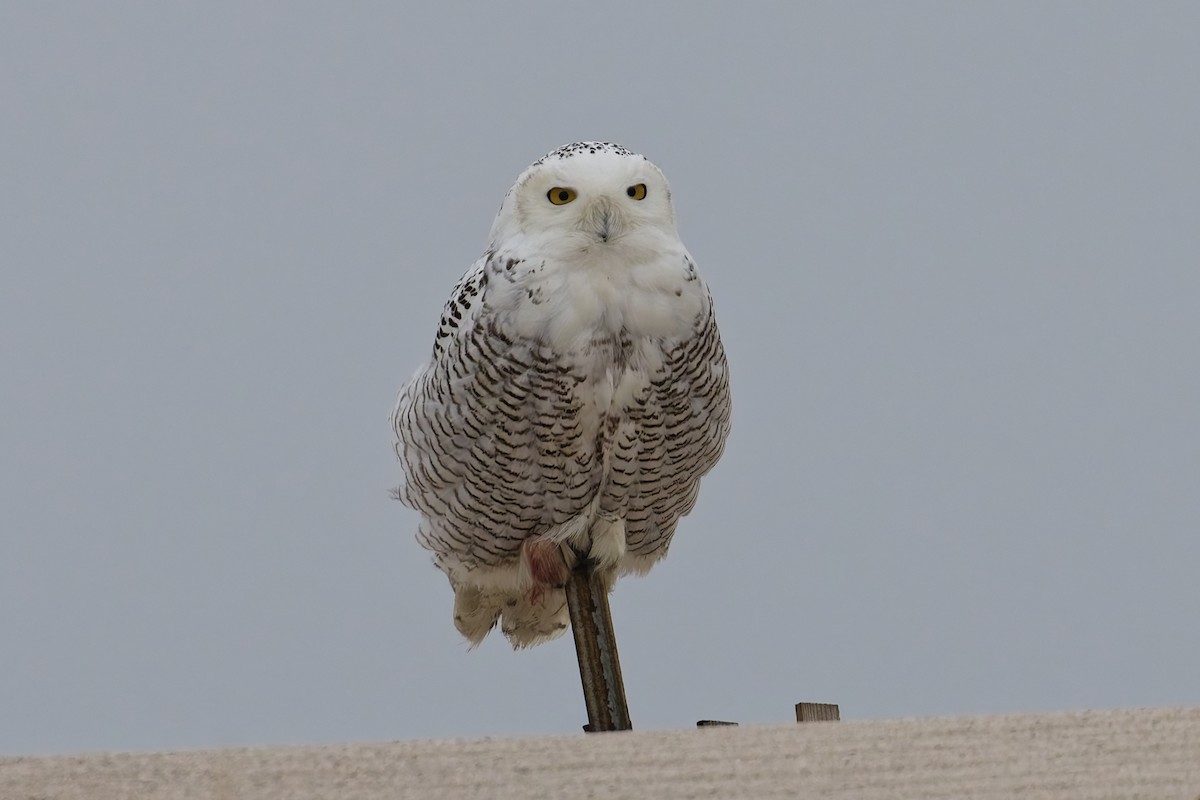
(596, 648)
(817, 712)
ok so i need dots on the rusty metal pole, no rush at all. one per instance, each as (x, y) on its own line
(596, 647)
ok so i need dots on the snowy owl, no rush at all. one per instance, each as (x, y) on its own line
(576, 394)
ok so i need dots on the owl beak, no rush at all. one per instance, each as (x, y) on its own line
(603, 219)
(605, 226)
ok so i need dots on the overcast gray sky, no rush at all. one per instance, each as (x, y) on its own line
(955, 251)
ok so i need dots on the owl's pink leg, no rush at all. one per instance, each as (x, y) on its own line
(542, 560)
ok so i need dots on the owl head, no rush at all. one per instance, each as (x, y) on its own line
(588, 197)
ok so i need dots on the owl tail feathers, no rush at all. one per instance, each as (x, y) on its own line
(525, 621)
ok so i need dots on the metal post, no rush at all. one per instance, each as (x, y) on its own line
(817, 712)
(596, 647)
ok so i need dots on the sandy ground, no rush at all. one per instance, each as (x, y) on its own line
(1117, 754)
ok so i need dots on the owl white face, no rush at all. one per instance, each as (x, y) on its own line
(590, 197)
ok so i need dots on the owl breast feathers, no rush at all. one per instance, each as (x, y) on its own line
(576, 394)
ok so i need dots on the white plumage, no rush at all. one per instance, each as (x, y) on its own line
(576, 394)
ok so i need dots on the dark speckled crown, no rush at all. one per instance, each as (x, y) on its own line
(579, 148)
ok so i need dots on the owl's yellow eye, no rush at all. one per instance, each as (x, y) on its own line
(560, 196)
(637, 191)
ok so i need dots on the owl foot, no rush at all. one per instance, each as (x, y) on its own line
(542, 561)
